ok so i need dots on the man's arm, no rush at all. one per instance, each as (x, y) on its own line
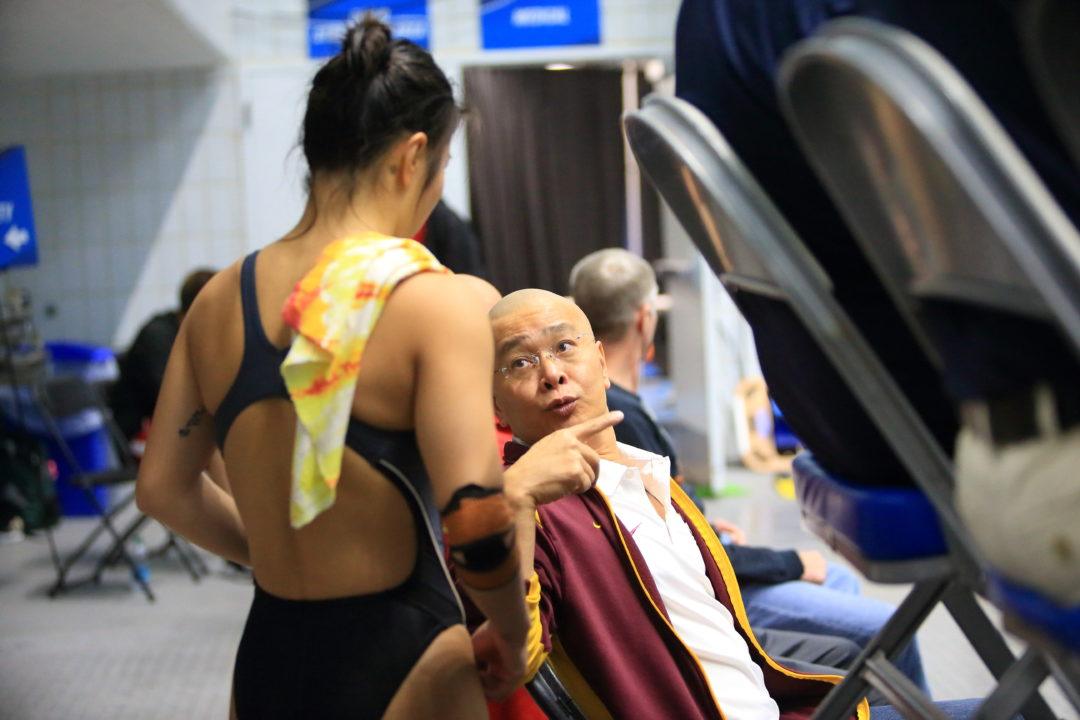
(559, 465)
(764, 565)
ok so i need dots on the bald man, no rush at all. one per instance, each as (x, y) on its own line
(633, 600)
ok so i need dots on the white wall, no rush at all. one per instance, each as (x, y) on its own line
(140, 177)
(135, 181)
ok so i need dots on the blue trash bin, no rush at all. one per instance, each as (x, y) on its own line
(92, 363)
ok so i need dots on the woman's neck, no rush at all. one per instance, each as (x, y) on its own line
(331, 213)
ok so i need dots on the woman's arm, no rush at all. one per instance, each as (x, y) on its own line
(454, 418)
(172, 487)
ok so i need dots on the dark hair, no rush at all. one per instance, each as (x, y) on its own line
(191, 286)
(369, 94)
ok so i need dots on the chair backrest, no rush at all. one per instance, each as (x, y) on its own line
(939, 197)
(1049, 32)
(753, 249)
(65, 397)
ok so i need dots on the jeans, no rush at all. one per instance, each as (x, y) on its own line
(953, 709)
(833, 608)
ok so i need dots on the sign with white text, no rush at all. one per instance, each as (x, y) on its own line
(18, 242)
(539, 23)
(327, 22)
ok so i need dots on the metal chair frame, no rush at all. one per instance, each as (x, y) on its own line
(551, 695)
(752, 249)
(67, 395)
(937, 194)
(930, 178)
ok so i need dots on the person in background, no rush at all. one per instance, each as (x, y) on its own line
(355, 424)
(452, 240)
(792, 590)
(142, 367)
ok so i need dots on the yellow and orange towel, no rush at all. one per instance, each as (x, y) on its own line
(333, 310)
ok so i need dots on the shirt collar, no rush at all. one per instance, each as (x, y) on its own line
(613, 474)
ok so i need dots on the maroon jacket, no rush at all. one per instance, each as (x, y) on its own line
(598, 618)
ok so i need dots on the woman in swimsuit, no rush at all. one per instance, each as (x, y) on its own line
(345, 475)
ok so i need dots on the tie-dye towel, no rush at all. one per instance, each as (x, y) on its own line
(333, 310)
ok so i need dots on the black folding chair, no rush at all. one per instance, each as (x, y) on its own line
(946, 207)
(551, 695)
(1048, 32)
(753, 250)
(67, 396)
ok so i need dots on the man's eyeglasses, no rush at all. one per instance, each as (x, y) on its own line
(522, 367)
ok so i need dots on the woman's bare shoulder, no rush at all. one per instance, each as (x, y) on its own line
(443, 299)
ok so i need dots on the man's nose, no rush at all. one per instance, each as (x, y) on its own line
(551, 372)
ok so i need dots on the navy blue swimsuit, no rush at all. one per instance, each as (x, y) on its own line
(342, 657)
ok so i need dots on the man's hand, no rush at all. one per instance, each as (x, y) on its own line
(560, 464)
(500, 662)
(814, 566)
(736, 533)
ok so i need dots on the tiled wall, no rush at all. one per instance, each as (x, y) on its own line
(137, 179)
(269, 30)
(135, 182)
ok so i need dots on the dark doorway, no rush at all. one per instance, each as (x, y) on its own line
(546, 171)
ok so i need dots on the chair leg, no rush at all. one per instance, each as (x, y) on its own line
(1019, 682)
(989, 644)
(112, 555)
(897, 633)
(106, 525)
(898, 689)
(188, 557)
(65, 566)
(1067, 673)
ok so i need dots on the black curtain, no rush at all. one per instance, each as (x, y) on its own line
(545, 170)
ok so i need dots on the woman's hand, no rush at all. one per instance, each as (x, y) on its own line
(500, 662)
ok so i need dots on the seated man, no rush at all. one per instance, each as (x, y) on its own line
(633, 599)
(783, 590)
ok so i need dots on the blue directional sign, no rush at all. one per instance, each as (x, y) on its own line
(327, 22)
(539, 23)
(18, 242)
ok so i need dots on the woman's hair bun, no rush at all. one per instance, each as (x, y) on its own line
(366, 47)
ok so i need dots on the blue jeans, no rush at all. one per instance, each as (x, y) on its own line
(953, 709)
(833, 608)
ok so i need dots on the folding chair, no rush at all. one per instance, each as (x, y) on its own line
(946, 206)
(753, 250)
(1048, 32)
(551, 695)
(66, 396)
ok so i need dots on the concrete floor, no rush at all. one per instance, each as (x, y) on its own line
(105, 652)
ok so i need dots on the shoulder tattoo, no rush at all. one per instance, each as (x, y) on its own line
(194, 420)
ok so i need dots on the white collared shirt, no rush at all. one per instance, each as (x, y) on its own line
(677, 567)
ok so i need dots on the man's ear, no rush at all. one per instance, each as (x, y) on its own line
(499, 414)
(641, 318)
(410, 162)
(603, 364)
